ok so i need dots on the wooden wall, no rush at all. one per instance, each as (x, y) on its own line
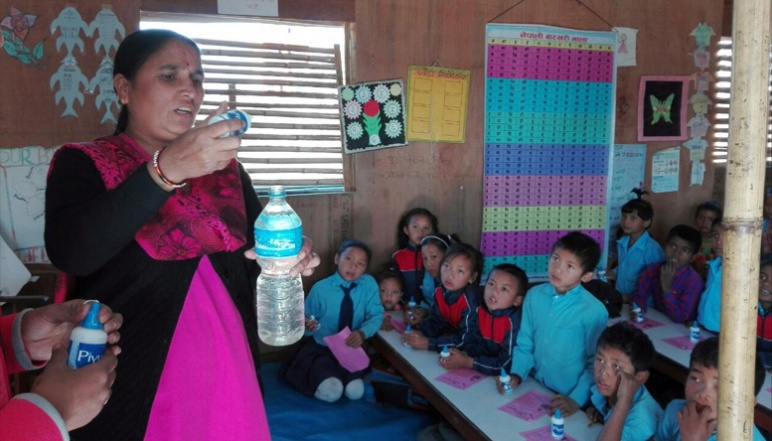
(390, 35)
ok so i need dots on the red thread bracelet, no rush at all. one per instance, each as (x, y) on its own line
(157, 168)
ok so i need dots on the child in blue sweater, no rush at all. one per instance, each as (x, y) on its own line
(619, 399)
(448, 321)
(709, 308)
(494, 325)
(636, 249)
(561, 325)
(348, 298)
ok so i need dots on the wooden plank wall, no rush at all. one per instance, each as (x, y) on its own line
(390, 35)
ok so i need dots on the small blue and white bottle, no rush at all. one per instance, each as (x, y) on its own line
(407, 331)
(444, 354)
(239, 114)
(411, 306)
(636, 313)
(694, 332)
(87, 341)
(557, 425)
(505, 382)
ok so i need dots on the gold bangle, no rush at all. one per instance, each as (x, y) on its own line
(157, 168)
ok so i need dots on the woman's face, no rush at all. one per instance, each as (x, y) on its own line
(164, 96)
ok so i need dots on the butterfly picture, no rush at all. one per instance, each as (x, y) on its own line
(661, 108)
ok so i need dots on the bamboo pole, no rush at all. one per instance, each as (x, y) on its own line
(746, 164)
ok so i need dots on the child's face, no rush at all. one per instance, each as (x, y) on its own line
(678, 252)
(608, 361)
(418, 227)
(432, 256)
(765, 287)
(502, 291)
(565, 270)
(352, 263)
(702, 388)
(391, 292)
(633, 225)
(717, 235)
(704, 221)
(457, 273)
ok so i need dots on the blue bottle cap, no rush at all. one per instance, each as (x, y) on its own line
(234, 114)
(557, 413)
(407, 328)
(92, 318)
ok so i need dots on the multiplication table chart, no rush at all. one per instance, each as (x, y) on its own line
(549, 131)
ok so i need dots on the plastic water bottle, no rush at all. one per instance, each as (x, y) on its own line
(278, 239)
(637, 314)
(557, 426)
(87, 341)
(694, 332)
(504, 381)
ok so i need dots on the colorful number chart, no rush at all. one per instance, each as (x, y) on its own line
(549, 131)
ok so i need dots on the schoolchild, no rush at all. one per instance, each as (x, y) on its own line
(673, 286)
(764, 319)
(695, 417)
(348, 298)
(709, 308)
(704, 216)
(619, 399)
(636, 249)
(561, 324)
(448, 321)
(433, 249)
(390, 289)
(413, 226)
(494, 324)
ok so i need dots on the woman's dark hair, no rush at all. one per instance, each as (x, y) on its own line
(134, 52)
(403, 238)
(640, 206)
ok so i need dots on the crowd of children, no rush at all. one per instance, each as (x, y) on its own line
(555, 332)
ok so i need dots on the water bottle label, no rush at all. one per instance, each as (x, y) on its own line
(82, 354)
(557, 431)
(278, 243)
(694, 335)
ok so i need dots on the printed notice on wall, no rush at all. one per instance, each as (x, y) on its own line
(263, 8)
(627, 171)
(664, 170)
(437, 104)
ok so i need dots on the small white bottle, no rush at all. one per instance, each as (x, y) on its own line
(411, 306)
(407, 331)
(504, 381)
(444, 354)
(557, 426)
(87, 341)
(694, 332)
(636, 313)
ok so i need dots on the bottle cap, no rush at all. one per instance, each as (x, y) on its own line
(445, 350)
(557, 413)
(503, 374)
(234, 114)
(407, 328)
(92, 318)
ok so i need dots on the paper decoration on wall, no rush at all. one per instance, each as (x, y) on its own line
(628, 168)
(662, 108)
(372, 115)
(437, 103)
(665, 167)
(70, 25)
(107, 98)
(700, 103)
(627, 42)
(549, 122)
(264, 8)
(22, 200)
(14, 29)
(106, 25)
(71, 83)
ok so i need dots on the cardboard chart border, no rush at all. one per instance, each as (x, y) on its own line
(549, 131)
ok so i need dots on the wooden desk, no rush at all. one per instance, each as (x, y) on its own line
(674, 362)
(473, 412)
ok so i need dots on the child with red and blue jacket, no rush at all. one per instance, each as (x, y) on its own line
(413, 226)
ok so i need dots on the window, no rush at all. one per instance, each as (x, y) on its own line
(286, 75)
(722, 85)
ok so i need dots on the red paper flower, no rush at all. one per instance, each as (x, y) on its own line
(19, 22)
(371, 108)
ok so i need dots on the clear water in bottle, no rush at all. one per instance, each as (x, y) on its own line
(278, 239)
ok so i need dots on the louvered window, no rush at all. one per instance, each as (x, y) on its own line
(723, 82)
(284, 74)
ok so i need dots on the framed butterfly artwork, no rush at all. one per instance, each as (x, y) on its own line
(662, 104)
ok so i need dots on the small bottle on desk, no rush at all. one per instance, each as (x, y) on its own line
(407, 331)
(504, 381)
(557, 425)
(694, 332)
(636, 313)
(444, 354)
(411, 306)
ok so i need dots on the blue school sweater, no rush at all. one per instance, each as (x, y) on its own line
(642, 419)
(709, 309)
(643, 253)
(557, 339)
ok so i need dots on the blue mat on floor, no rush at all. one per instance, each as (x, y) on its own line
(293, 416)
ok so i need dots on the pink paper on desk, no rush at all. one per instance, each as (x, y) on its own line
(530, 406)
(647, 323)
(682, 342)
(461, 378)
(353, 359)
(542, 434)
(398, 325)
